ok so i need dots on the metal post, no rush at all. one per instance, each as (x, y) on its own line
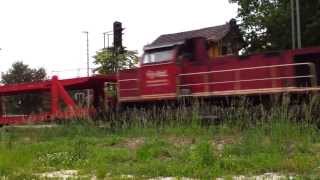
(88, 73)
(108, 40)
(87, 33)
(298, 24)
(293, 29)
(1, 72)
(88, 65)
(313, 74)
(104, 40)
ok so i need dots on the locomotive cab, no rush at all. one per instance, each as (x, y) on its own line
(156, 78)
(157, 73)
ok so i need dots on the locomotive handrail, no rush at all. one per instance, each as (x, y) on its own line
(111, 83)
(130, 89)
(246, 80)
(127, 89)
(241, 69)
(157, 64)
(237, 82)
(124, 80)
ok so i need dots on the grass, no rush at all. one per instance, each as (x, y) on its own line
(154, 142)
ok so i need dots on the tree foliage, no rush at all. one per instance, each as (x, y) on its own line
(108, 62)
(20, 72)
(25, 103)
(267, 23)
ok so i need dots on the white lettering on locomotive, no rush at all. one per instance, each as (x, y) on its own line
(157, 78)
(156, 74)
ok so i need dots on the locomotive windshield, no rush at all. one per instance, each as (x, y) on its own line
(157, 56)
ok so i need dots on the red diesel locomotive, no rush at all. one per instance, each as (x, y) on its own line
(186, 70)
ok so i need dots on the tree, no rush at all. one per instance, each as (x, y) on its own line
(266, 24)
(109, 62)
(25, 103)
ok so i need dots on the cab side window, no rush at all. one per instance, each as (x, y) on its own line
(157, 56)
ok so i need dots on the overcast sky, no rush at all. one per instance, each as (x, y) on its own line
(48, 33)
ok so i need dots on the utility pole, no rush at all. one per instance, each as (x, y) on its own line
(293, 29)
(104, 38)
(108, 39)
(295, 24)
(87, 33)
(88, 73)
(298, 24)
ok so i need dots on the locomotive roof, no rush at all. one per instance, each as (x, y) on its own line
(214, 33)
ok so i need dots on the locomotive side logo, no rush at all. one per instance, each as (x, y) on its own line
(157, 78)
(156, 74)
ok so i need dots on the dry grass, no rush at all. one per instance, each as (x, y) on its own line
(251, 140)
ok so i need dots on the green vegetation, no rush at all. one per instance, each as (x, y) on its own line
(266, 25)
(251, 140)
(109, 62)
(24, 103)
